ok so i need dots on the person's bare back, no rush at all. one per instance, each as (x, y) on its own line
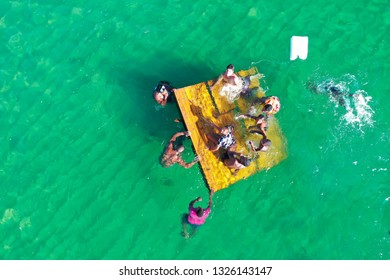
(172, 155)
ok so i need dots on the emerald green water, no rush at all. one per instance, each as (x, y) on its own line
(80, 135)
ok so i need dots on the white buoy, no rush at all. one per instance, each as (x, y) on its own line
(299, 47)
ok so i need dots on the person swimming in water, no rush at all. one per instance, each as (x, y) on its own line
(196, 216)
(172, 155)
(163, 93)
(332, 89)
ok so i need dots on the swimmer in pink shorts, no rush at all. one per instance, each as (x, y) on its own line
(197, 216)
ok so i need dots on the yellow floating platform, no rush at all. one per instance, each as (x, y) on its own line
(201, 108)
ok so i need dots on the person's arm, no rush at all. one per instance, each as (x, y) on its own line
(237, 80)
(185, 232)
(195, 200)
(211, 198)
(181, 162)
(253, 147)
(178, 134)
(217, 82)
(262, 128)
(208, 209)
(172, 140)
(246, 116)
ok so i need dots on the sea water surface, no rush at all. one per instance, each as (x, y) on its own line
(81, 136)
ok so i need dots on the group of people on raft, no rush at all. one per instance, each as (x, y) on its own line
(221, 139)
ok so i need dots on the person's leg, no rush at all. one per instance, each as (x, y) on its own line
(184, 222)
(194, 231)
(252, 146)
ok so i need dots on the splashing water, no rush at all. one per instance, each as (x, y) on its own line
(345, 92)
(359, 113)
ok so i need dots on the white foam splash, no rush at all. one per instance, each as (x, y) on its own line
(359, 113)
(231, 92)
(356, 101)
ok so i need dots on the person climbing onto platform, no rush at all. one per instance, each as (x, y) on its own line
(234, 85)
(223, 139)
(264, 144)
(271, 104)
(196, 216)
(172, 155)
(163, 93)
(261, 122)
(236, 161)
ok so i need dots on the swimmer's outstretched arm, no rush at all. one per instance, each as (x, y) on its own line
(181, 162)
(195, 200)
(178, 134)
(210, 199)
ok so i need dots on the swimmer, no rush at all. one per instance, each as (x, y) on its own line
(331, 89)
(196, 216)
(172, 155)
(163, 93)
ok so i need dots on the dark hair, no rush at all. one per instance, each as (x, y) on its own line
(260, 117)
(230, 66)
(199, 211)
(267, 108)
(178, 147)
(245, 161)
(265, 142)
(161, 84)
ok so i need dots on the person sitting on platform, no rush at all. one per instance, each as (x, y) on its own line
(234, 85)
(229, 77)
(271, 104)
(264, 144)
(236, 161)
(172, 155)
(261, 122)
(196, 216)
(224, 138)
(163, 93)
